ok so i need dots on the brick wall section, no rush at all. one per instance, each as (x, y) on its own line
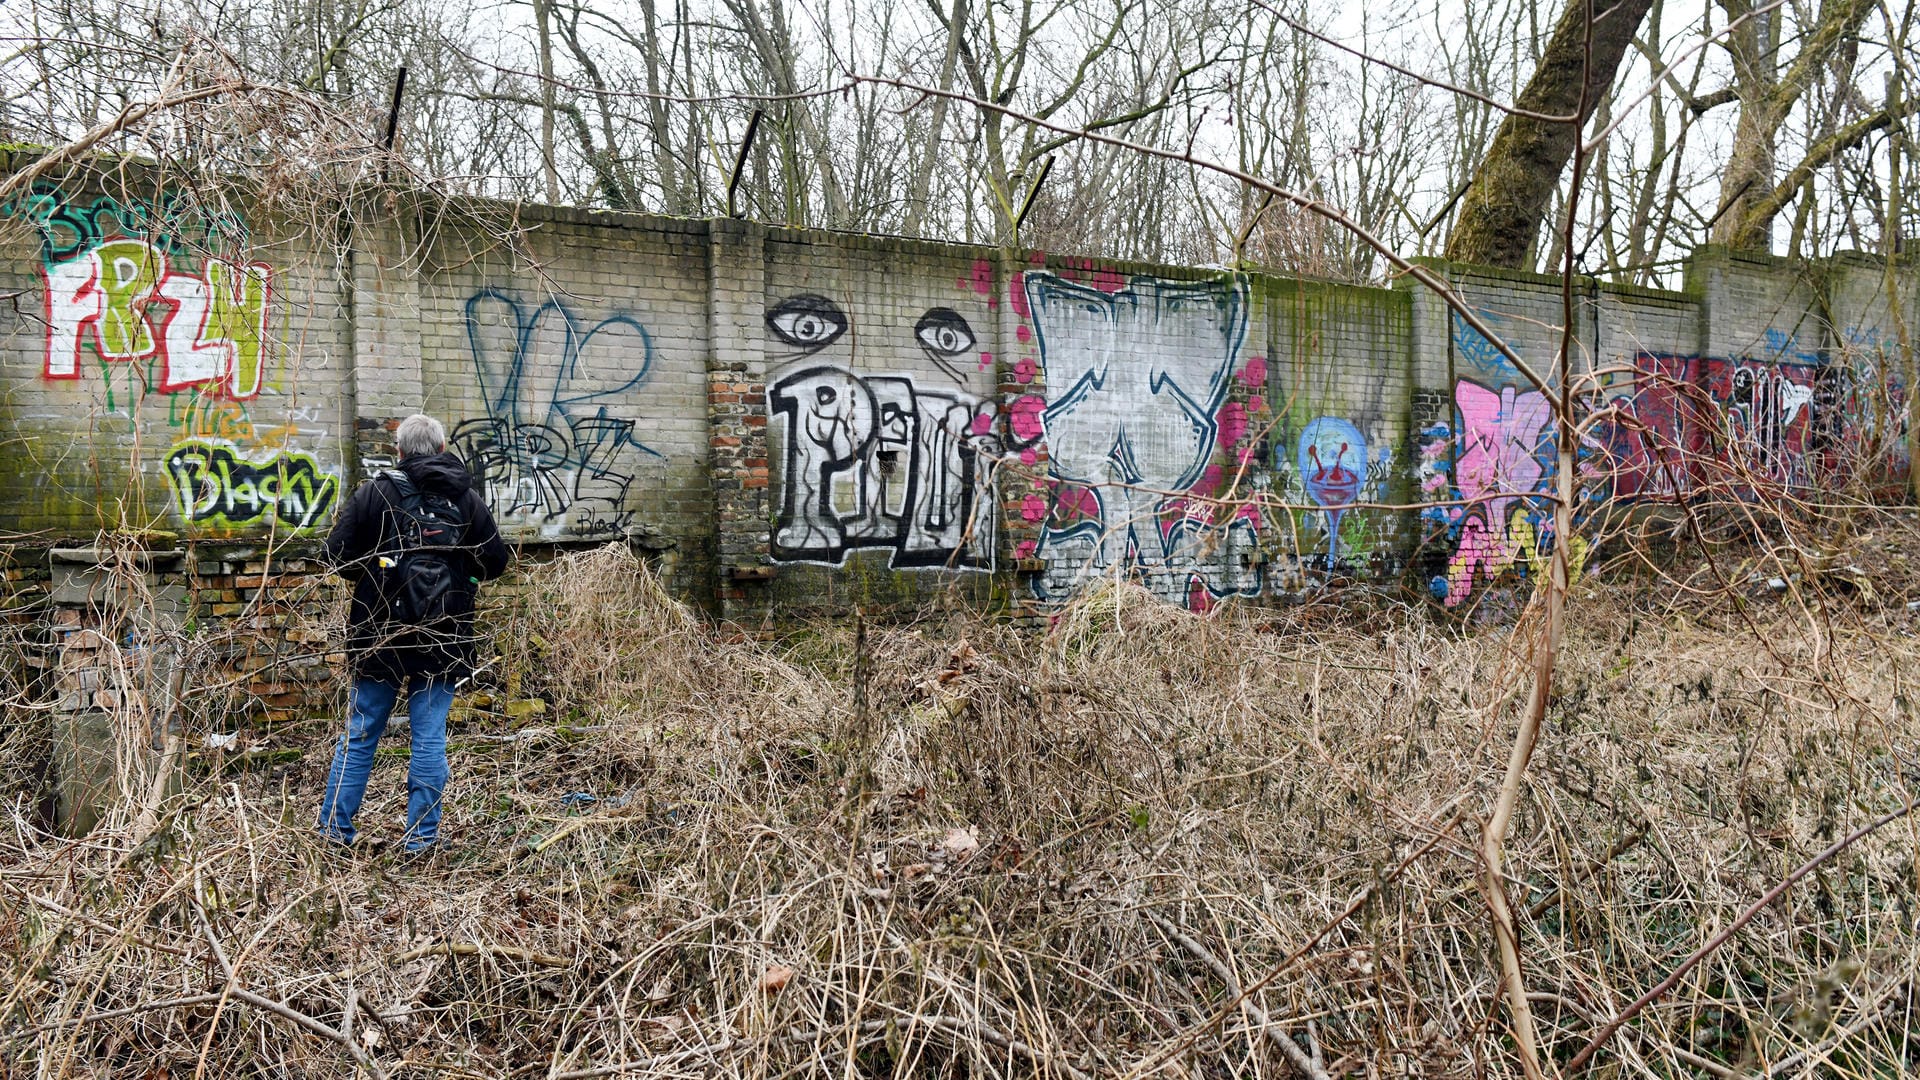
(1528, 311)
(386, 331)
(271, 619)
(1874, 328)
(611, 378)
(1634, 321)
(568, 354)
(881, 302)
(89, 448)
(1018, 374)
(1757, 307)
(1863, 310)
(737, 414)
(1342, 354)
(25, 584)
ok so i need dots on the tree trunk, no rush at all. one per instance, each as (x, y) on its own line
(923, 175)
(1503, 208)
(672, 198)
(773, 46)
(1890, 245)
(1748, 203)
(541, 17)
(605, 161)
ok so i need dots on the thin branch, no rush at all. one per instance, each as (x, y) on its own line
(1692, 961)
(286, 1012)
(1653, 84)
(1262, 1022)
(1440, 84)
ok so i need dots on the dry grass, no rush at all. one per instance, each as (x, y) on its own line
(770, 881)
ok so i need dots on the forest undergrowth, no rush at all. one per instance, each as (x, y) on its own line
(1140, 843)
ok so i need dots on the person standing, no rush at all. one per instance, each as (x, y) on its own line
(416, 541)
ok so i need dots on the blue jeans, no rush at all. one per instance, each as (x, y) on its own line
(372, 703)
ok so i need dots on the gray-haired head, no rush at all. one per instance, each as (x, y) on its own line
(420, 435)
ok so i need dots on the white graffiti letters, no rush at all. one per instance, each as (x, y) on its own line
(128, 302)
(1134, 380)
(879, 462)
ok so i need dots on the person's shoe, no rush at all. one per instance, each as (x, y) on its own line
(361, 847)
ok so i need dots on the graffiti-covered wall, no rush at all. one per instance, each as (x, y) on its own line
(167, 367)
(1760, 377)
(789, 419)
(578, 393)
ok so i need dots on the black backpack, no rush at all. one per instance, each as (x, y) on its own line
(423, 563)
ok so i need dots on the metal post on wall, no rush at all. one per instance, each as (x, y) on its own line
(1027, 205)
(393, 124)
(740, 162)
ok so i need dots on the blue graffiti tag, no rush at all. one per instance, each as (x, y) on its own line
(551, 450)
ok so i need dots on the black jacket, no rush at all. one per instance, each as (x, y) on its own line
(391, 653)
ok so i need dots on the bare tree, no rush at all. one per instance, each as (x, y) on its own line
(1503, 209)
(644, 108)
(1752, 193)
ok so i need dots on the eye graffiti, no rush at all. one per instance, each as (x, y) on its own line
(944, 331)
(807, 321)
(810, 322)
(944, 334)
(880, 461)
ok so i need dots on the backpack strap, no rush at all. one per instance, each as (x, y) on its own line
(406, 500)
(402, 483)
(403, 500)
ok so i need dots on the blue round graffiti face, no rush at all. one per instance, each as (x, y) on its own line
(1332, 460)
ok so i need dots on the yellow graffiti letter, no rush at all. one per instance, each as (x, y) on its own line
(129, 273)
(239, 316)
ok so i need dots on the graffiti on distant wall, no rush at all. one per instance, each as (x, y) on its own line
(161, 296)
(1475, 354)
(558, 448)
(1335, 469)
(198, 416)
(125, 282)
(1682, 427)
(1502, 455)
(807, 322)
(1137, 376)
(880, 461)
(214, 486)
(1690, 423)
(1490, 467)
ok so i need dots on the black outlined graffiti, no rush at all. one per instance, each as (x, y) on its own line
(943, 335)
(807, 322)
(552, 452)
(1766, 401)
(214, 486)
(1137, 382)
(877, 462)
(1698, 422)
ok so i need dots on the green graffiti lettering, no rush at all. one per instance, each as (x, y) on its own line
(238, 315)
(217, 488)
(130, 271)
